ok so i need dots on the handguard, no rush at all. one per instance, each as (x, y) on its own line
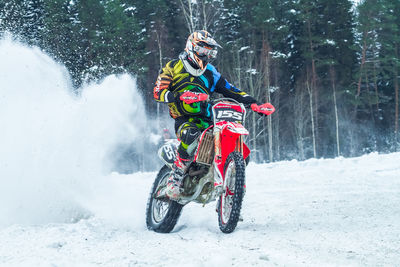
(266, 109)
(190, 97)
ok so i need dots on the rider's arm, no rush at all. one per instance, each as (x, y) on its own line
(161, 91)
(223, 87)
(228, 90)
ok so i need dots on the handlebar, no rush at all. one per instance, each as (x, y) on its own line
(190, 97)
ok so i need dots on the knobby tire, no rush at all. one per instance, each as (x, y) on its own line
(169, 221)
(230, 225)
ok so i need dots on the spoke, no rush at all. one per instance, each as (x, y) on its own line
(227, 198)
(160, 208)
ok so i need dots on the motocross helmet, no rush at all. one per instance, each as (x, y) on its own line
(201, 48)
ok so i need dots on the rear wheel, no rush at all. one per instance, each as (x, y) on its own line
(230, 202)
(162, 214)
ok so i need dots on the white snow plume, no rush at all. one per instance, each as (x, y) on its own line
(55, 146)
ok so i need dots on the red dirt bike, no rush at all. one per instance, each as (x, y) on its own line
(216, 173)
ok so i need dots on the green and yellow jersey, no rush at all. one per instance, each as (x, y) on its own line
(174, 78)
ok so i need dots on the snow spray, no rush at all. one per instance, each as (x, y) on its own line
(55, 146)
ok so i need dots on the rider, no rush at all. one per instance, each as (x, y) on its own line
(192, 72)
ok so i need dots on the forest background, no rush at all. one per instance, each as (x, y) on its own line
(330, 67)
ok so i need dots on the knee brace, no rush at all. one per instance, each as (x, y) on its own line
(188, 133)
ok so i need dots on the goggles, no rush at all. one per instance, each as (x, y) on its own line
(202, 51)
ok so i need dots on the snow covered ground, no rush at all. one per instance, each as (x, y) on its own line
(60, 206)
(334, 212)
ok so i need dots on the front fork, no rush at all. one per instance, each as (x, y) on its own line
(218, 180)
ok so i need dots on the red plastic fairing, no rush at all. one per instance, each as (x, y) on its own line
(228, 144)
(232, 126)
(235, 107)
(246, 151)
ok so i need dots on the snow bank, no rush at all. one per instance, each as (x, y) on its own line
(55, 146)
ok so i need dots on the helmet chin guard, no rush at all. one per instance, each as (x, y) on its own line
(201, 48)
(190, 66)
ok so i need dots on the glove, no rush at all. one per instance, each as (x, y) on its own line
(171, 97)
(190, 97)
(263, 109)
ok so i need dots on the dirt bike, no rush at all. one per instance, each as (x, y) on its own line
(216, 173)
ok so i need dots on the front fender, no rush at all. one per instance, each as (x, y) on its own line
(233, 127)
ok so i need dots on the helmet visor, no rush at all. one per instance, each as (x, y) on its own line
(203, 51)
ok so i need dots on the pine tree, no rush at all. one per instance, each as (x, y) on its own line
(121, 40)
(24, 19)
(62, 38)
(322, 58)
(389, 36)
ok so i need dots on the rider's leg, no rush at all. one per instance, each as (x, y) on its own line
(187, 132)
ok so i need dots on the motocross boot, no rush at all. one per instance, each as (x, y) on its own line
(174, 183)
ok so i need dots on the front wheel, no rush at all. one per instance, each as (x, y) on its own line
(162, 214)
(230, 202)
